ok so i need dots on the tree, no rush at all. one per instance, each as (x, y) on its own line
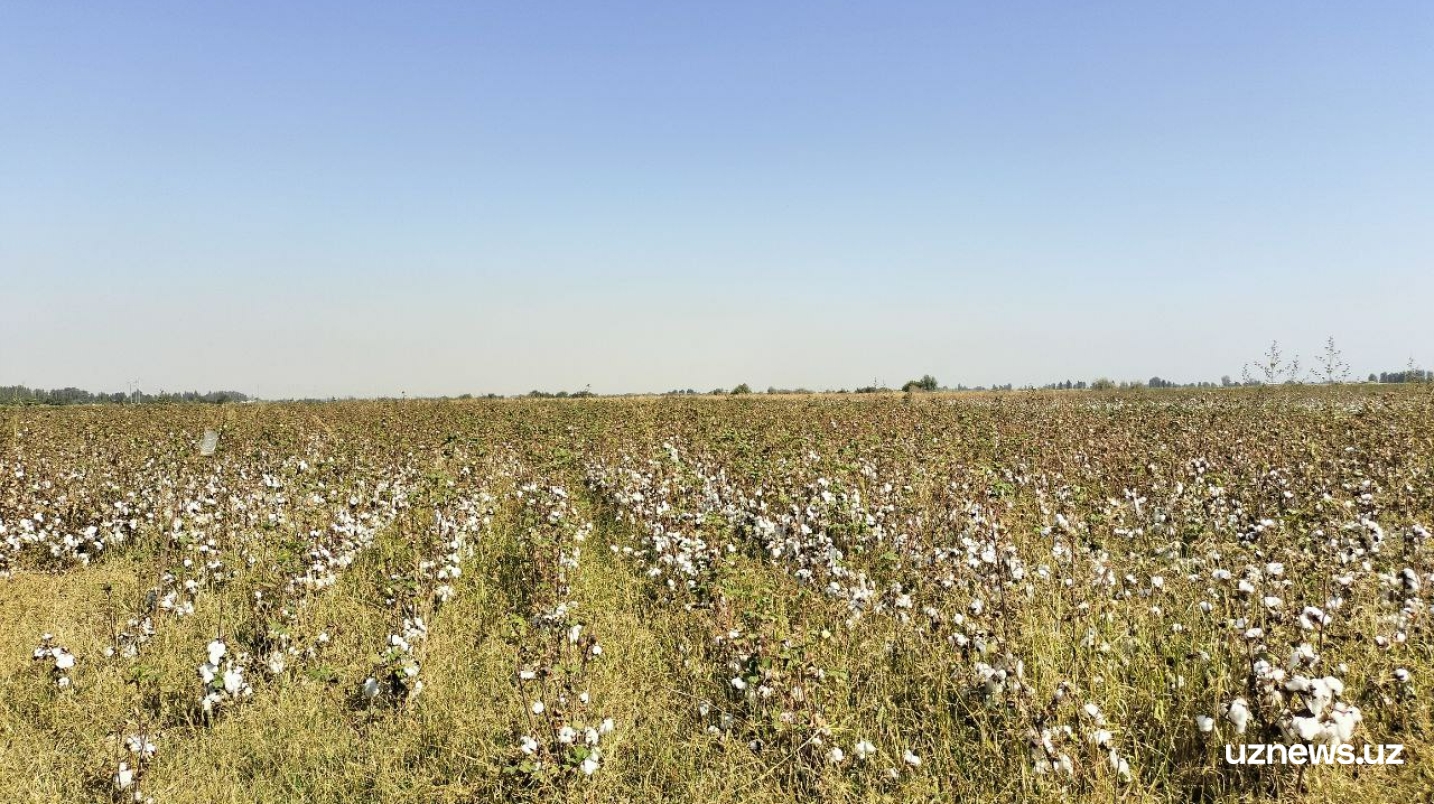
(926, 383)
(1331, 368)
(744, 388)
(1273, 368)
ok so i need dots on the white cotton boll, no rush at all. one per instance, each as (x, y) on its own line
(369, 689)
(836, 755)
(1305, 728)
(140, 745)
(233, 681)
(1093, 712)
(566, 735)
(527, 745)
(1238, 713)
(64, 660)
(526, 675)
(910, 758)
(589, 766)
(538, 707)
(1204, 723)
(739, 684)
(607, 726)
(864, 750)
(1120, 766)
(1344, 719)
(217, 649)
(124, 778)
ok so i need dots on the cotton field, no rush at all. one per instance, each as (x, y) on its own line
(1047, 596)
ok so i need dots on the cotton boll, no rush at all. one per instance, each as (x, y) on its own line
(1238, 713)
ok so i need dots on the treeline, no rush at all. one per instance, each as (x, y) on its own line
(21, 395)
(1107, 384)
(1410, 375)
(558, 394)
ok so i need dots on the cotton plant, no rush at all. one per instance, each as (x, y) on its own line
(1293, 702)
(60, 659)
(1067, 739)
(224, 676)
(775, 696)
(396, 680)
(563, 735)
(127, 642)
(457, 523)
(126, 782)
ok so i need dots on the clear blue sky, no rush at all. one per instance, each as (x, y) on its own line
(351, 198)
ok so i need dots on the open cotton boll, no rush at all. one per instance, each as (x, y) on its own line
(1238, 713)
(1305, 728)
(234, 682)
(124, 777)
(370, 688)
(1120, 766)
